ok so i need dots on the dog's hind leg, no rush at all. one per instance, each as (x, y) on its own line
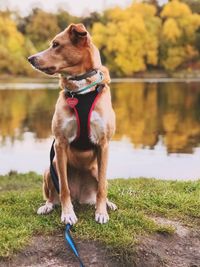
(49, 193)
(111, 205)
(88, 190)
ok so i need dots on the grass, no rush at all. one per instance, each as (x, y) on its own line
(137, 199)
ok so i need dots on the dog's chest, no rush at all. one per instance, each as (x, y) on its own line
(96, 125)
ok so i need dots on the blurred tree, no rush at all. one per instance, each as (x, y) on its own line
(129, 41)
(152, 2)
(21, 23)
(178, 35)
(14, 48)
(90, 20)
(193, 4)
(156, 3)
(64, 19)
(41, 28)
(197, 40)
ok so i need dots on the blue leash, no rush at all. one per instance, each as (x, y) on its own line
(54, 177)
(71, 243)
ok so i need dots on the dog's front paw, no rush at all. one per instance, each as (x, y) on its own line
(45, 209)
(101, 217)
(69, 217)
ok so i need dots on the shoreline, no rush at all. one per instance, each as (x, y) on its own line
(37, 83)
(149, 76)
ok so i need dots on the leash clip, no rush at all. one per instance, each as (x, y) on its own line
(72, 94)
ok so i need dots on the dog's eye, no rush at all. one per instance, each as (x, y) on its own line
(55, 44)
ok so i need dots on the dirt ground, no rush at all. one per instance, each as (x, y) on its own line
(181, 249)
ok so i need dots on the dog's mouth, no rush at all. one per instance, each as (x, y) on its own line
(35, 64)
(49, 70)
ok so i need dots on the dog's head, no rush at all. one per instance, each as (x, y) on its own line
(70, 52)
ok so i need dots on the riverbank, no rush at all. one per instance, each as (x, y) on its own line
(151, 214)
(25, 83)
(181, 75)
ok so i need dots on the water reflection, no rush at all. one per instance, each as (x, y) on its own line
(149, 116)
(147, 111)
(26, 110)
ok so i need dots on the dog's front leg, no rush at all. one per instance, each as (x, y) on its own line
(68, 215)
(101, 214)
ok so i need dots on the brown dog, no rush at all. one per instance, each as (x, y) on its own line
(82, 174)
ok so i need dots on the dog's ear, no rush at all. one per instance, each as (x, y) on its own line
(78, 34)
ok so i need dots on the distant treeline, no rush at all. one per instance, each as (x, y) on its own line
(141, 37)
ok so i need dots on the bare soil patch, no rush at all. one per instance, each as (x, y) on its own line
(181, 249)
(46, 251)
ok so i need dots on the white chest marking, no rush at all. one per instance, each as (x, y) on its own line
(97, 128)
(69, 128)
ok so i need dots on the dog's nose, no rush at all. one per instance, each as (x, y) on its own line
(32, 59)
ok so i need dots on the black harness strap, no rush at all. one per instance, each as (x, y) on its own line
(83, 76)
(83, 108)
(53, 173)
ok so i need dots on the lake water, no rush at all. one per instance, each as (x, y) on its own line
(158, 128)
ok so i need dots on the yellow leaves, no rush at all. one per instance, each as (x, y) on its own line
(128, 66)
(129, 54)
(42, 27)
(171, 30)
(152, 57)
(98, 35)
(144, 9)
(13, 48)
(178, 34)
(137, 24)
(174, 58)
(191, 52)
(190, 24)
(131, 38)
(14, 44)
(175, 9)
(10, 37)
(180, 21)
(195, 21)
(115, 13)
(117, 44)
(177, 55)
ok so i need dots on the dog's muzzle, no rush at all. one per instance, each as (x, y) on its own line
(34, 62)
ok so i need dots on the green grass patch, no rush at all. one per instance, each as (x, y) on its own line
(137, 200)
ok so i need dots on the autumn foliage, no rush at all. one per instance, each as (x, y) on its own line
(140, 38)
